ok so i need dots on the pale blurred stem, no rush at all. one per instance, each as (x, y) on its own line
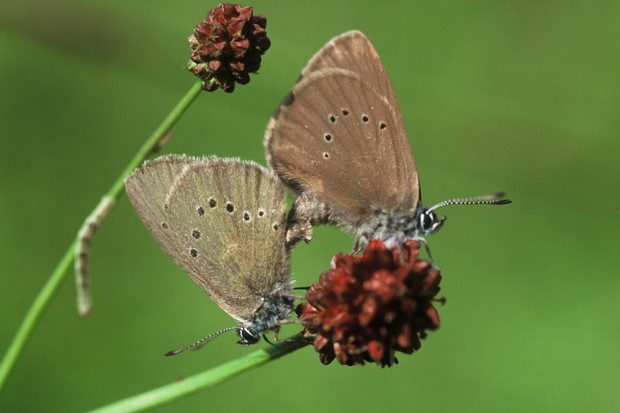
(204, 380)
(65, 265)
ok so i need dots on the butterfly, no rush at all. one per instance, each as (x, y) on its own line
(222, 221)
(338, 141)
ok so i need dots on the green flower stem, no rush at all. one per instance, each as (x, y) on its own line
(204, 380)
(49, 290)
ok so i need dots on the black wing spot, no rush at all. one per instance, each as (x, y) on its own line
(212, 203)
(196, 234)
(201, 211)
(332, 119)
(365, 118)
(382, 125)
(230, 207)
(246, 216)
(326, 155)
(193, 252)
(345, 112)
(328, 137)
(261, 213)
(164, 225)
(275, 226)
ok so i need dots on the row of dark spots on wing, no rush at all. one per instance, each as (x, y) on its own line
(328, 137)
(230, 208)
(345, 113)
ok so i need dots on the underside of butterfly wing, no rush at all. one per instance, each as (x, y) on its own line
(222, 222)
(338, 140)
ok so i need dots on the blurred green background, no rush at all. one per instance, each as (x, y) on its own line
(516, 96)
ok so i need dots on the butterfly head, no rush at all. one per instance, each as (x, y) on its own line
(248, 336)
(429, 222)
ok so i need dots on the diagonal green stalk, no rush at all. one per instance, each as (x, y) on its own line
(118, 188)
(173, 391)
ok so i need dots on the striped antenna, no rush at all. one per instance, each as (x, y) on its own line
(198, 344)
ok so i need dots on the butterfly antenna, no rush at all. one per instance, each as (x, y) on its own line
(198, 344)
(492, 199)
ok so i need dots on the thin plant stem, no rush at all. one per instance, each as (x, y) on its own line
(170, 392)
(118, 188)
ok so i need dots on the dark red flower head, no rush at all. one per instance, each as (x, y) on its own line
(365, 308)
(227, 46)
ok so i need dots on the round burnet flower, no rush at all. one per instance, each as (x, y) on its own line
(227, 46)
(364, 309)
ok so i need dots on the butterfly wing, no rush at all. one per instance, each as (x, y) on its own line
(222, 222)
(147, 188)
(353, 51)
(338, 137)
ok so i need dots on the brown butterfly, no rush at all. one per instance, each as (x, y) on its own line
(339, 142)
(223, 222)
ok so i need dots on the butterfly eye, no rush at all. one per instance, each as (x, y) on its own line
(247, 336)
(427, 221)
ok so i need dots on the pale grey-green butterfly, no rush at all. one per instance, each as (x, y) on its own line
(223, 222)
(339, 142)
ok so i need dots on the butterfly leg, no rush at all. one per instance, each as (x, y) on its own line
(299, 297)
(269, 341)
(422, 241)
(360, 242)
